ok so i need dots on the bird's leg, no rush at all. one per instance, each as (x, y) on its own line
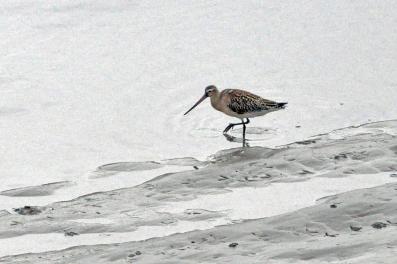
(244, 128)
(243, 135)
(231, 125)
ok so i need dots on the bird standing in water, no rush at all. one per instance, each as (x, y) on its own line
(238, 103)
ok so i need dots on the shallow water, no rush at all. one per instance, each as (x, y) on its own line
(84, 84)
(35, 243)
(78, 93)
(96, 181)
(278, 198)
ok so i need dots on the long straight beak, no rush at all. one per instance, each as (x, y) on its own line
(196, 104)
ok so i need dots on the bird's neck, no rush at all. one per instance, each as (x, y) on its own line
(215, 100)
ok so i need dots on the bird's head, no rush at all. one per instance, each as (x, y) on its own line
(208, 92)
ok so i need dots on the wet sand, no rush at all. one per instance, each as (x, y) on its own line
(354, 226)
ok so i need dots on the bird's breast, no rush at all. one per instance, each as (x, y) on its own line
(222, 105)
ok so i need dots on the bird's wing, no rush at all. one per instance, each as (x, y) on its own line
(242, 102)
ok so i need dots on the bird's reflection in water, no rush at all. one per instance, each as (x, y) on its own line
(236, 140)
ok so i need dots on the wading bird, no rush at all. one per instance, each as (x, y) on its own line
(238, 103)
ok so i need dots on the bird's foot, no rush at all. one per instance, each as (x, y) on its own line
(230, 126)
(233, 139)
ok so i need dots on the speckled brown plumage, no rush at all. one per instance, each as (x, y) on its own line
(242, 102)
(238, 103)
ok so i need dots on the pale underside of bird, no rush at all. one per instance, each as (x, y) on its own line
(238, 103)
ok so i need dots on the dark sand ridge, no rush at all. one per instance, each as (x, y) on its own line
(354, 227)
(370, 148)
(40, 190)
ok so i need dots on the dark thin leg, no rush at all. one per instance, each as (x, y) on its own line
(244, 144)
(236, 124)
(230, 126)
(234, 139)
(243, 135)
